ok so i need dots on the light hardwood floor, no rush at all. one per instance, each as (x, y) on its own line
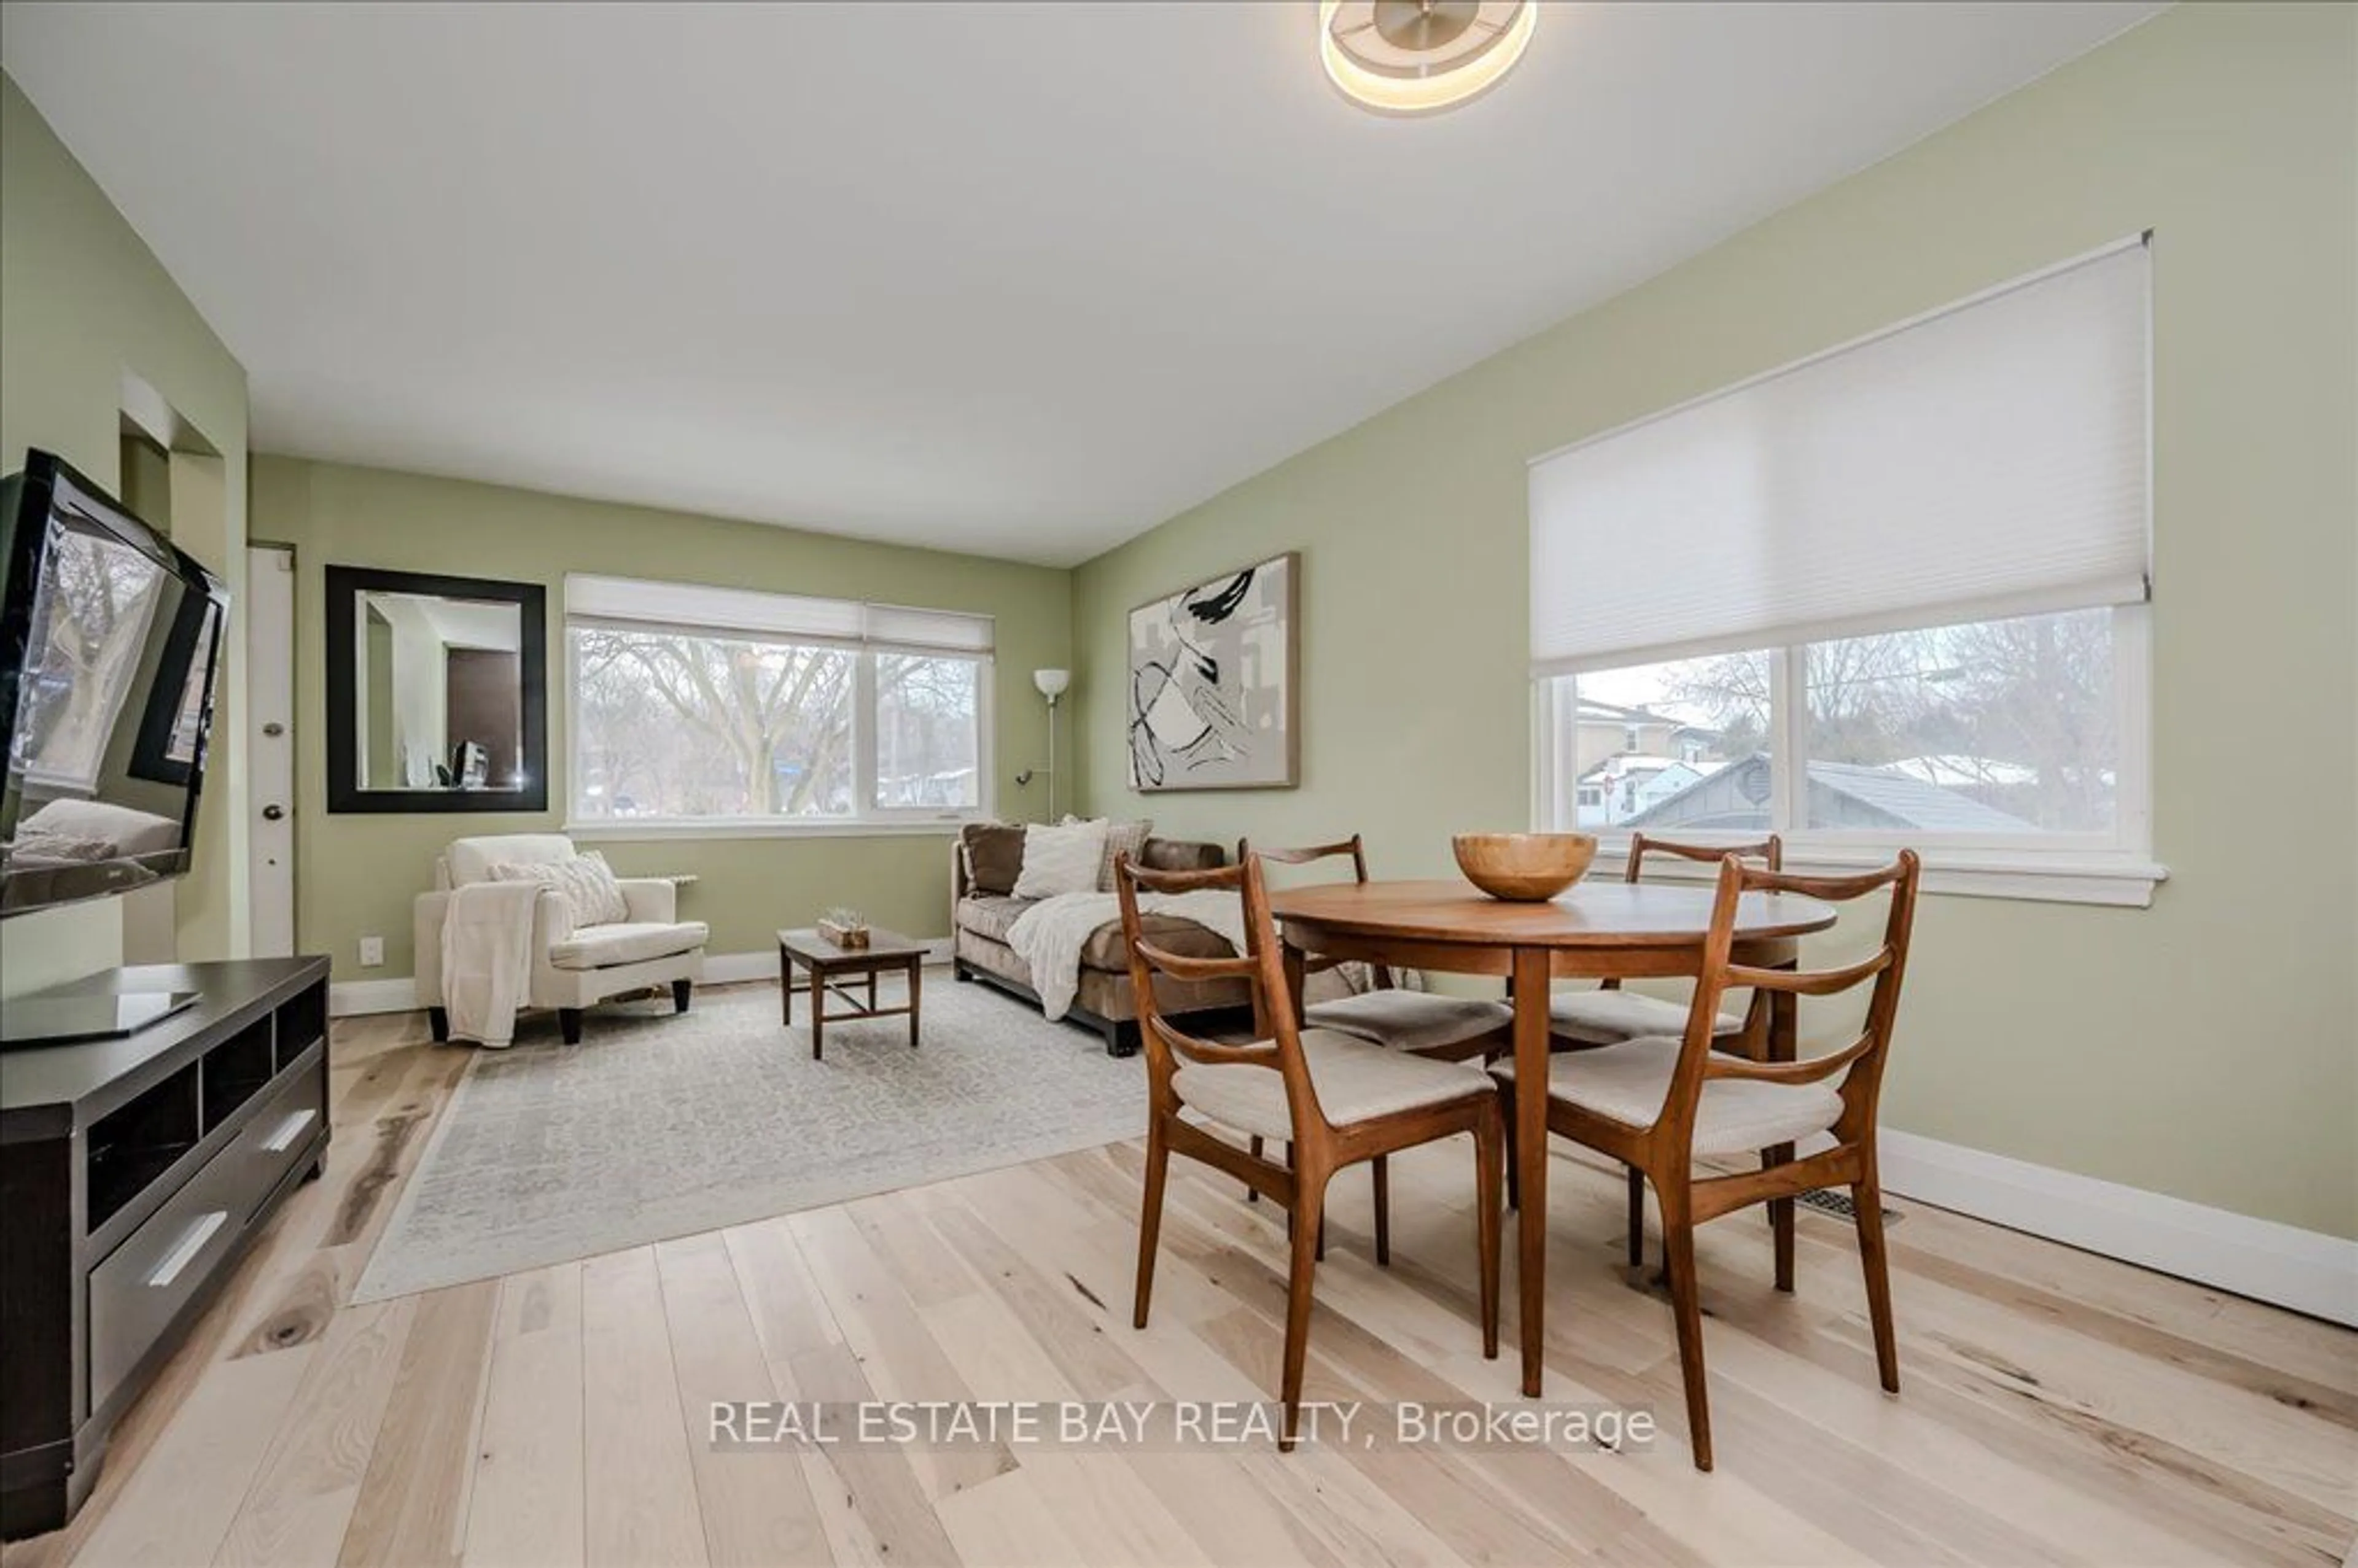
(2057, 1407)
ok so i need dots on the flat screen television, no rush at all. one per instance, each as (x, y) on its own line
(110, 647)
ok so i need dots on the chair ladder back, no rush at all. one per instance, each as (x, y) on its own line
(1771, 850)
(1311, 854)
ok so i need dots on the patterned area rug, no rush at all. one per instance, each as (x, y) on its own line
(658, 1126)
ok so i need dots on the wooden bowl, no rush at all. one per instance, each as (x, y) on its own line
(1523, 868)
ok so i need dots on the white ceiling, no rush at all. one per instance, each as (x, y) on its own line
(1017, 279)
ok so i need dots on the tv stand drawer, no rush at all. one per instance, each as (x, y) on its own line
(139, 1291)
(281, 1130)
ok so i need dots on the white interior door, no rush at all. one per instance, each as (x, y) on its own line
(270, 741)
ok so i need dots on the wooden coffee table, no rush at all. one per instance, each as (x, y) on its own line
(823, 961)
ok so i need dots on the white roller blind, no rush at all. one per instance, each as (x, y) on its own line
(786, 616)
(1990, 458)
(932, 629)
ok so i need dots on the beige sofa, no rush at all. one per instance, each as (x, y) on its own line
(982, 909)
(571, 970)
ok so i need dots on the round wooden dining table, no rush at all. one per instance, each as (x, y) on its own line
(1597, 931)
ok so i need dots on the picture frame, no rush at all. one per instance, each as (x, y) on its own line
(1213, 675)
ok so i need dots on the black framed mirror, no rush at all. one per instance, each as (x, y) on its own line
(437, 693)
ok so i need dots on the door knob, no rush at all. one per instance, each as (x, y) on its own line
(273, 728)
(272, 812)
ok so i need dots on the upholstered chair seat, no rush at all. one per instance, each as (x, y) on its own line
(1607, 1017)
(626, 942)
(1356, 1080)
(1629, 1083)
(1413, 1021)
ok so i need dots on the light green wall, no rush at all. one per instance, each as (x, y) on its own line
(83, 301)
(355, 875)
(2203, 1048)
(144, 481)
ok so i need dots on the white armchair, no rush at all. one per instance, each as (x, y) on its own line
(570, 969)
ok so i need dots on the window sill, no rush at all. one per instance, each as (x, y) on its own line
(2119, 880)
(609, 831)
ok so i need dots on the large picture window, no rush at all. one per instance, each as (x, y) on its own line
(722, 708)
(1894, 594)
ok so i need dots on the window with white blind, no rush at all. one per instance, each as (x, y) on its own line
(1895, 593)
(696, 707)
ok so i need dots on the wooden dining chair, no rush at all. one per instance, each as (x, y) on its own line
(1657, 1103)
(1610, 1014)
(1452, 1028)
(1334, 1098)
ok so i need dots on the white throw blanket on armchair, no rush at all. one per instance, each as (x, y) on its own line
(1049, 935)
(487, 958)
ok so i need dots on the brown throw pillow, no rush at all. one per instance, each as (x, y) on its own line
(994, 855)
(1184, 855)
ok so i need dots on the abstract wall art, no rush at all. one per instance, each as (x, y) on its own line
(1212, 678)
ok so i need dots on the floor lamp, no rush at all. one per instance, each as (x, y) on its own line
(1052, 684)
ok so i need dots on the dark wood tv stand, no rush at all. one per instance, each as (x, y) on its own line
(134, 1174)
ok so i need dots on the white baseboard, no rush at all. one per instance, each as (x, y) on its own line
(727, 968)
(2281, 1264)
(347, 999)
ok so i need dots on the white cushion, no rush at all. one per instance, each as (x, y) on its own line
(1412, 1020)
(1628, 1083)
(471, 860)
(1606, 1016)
(120, 828)
(603, 946)
(1356, 1081)
(1060, 858)
(593, 896)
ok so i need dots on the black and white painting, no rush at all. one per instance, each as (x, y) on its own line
(1211, 683)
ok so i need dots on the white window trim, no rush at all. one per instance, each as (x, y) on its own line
(2118, 870)
(53, 784)
(2121, 880)
(874, 822)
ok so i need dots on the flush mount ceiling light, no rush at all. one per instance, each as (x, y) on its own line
(1413, 56)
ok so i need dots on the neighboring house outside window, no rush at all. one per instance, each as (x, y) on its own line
(2005, 727)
